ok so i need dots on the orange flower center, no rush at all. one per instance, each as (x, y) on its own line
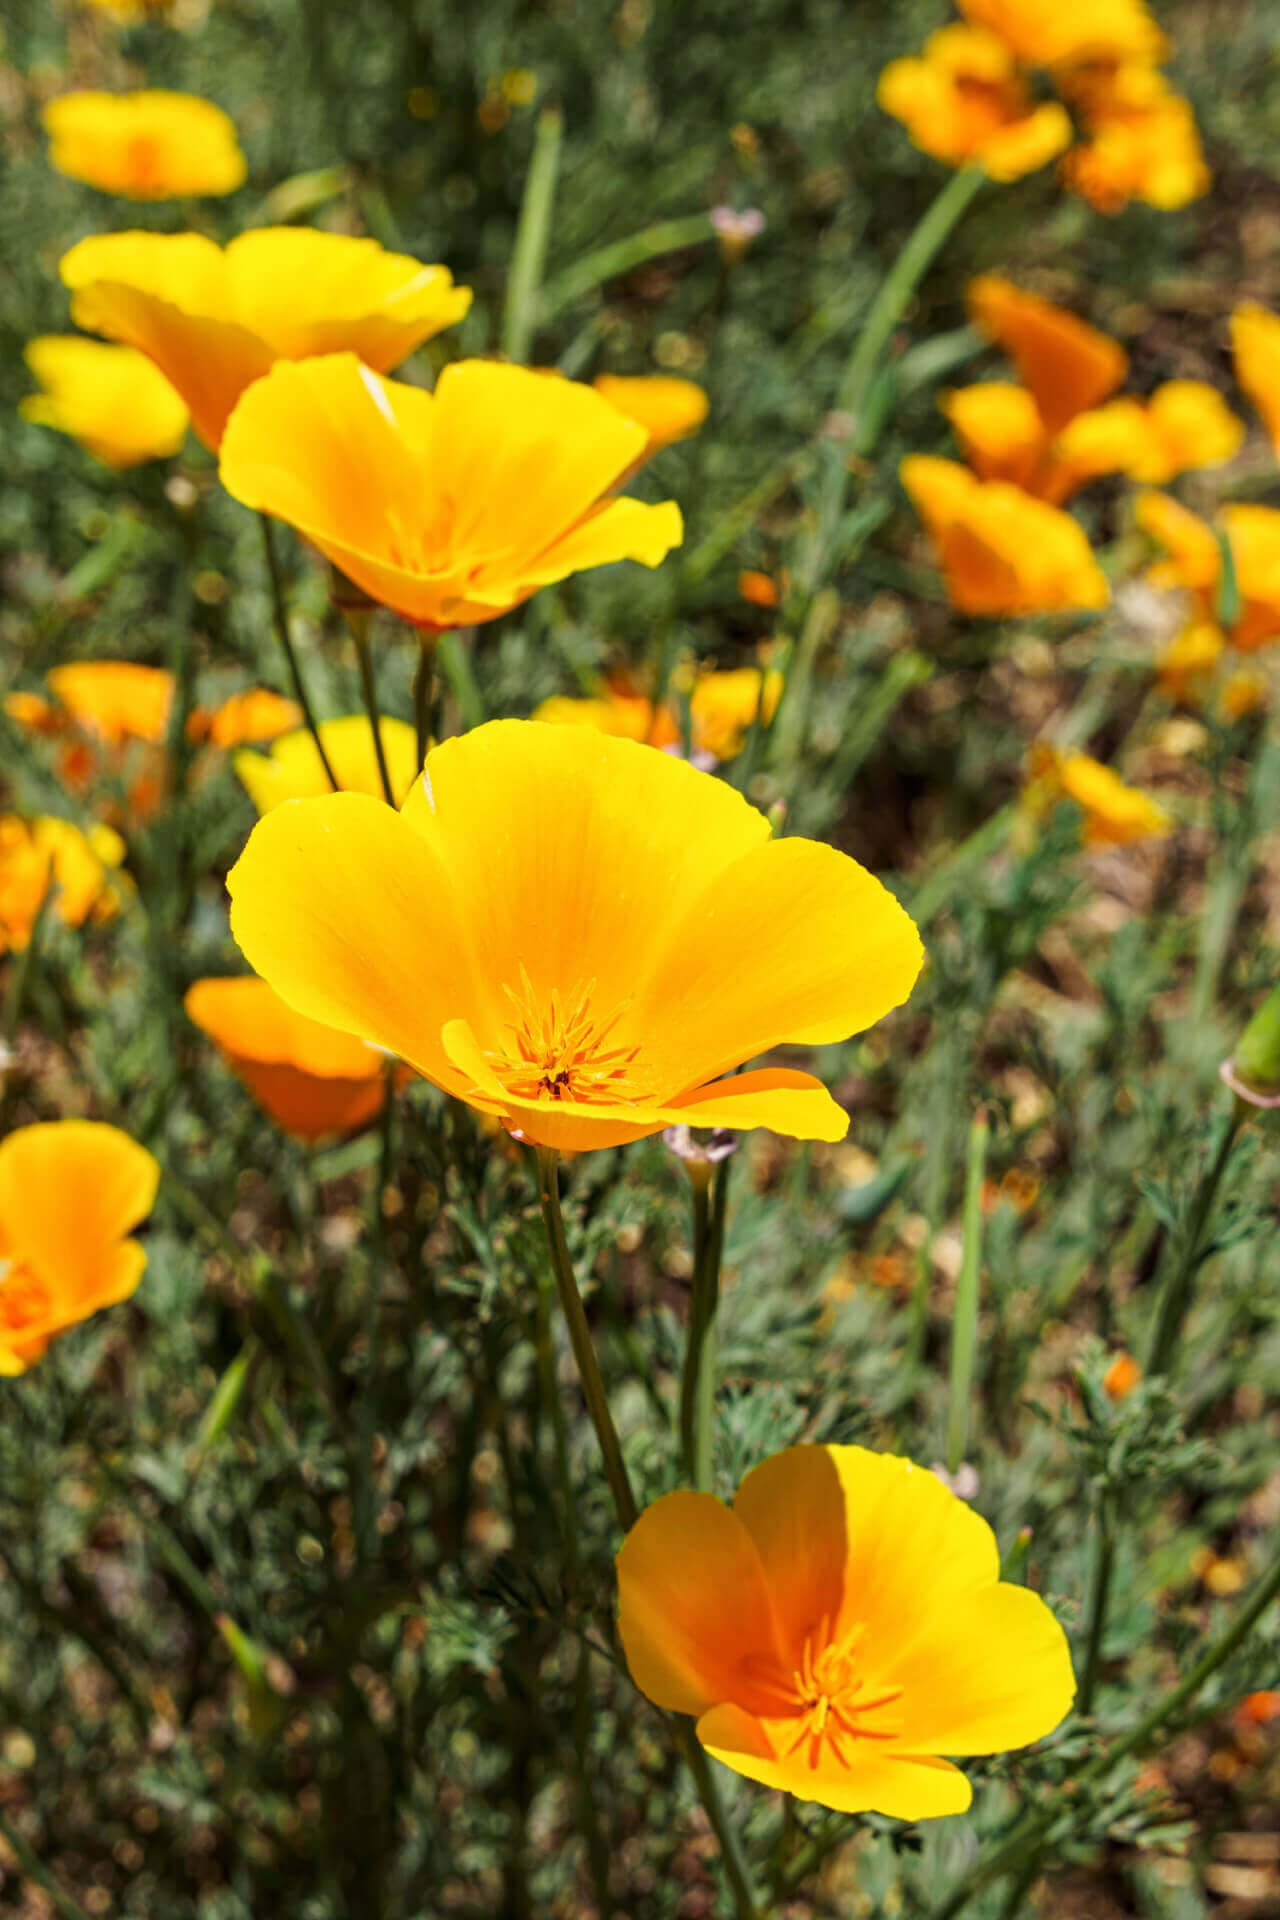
(831, 1698)
(144, 160)
(560, 1049)
(24, 1300)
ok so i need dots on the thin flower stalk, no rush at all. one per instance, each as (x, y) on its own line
(280, 615)
(1175, 1299)
(964, 1326)
(532, 235)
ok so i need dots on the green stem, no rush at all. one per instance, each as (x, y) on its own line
(20, 978)
(451, 652)
(359, 623)
(367, 1489)
(280, 616)
(584, 1352)
(423, 682)
(964, 1325)
(621, 256)
(934, 892)
(1176, 1297)
(697, 1392)
(1099, 1602)
(34, 1869)
(532, 235)
(736, 1867)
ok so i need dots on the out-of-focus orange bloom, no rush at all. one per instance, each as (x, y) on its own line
(128, 12)
(1187, 665)
(311, 1080)
(963, 100)
(482, 936)
(869, 1631)
(1121, 1377)
(1068, 365)
(71, 1191)
(1244, 692)
(51, 857)
(1000, 550)
(114, 718)
(111, 399)
(1195, 562)
(1259, 1709)
(1114, 814)
(758, 589)
(1222, 1573)
(1142, 144)
(470, 498)
(293, 770)
(214, 320)
(722, 706)
(1255, 341)
(144, 145)
(246, 719)
(669, 409)
(1043, 35)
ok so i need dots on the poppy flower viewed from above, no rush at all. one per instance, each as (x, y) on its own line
(577, 934)
(145, 145)
(111, 399)
(213, 320)
(963, 100)
(838, 1630)
(450, 507)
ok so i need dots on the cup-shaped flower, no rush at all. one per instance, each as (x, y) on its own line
(71, 1192)
(1067, 364)
(112, 718)
(1088, 31)
(246, 719)
(311, 1080)
(963, 100)
(145, 145)
(49, 861)
(453, 506)
(577, 934)
(722, 707)
(111, 399)
(669, 409)
(1195, 562)
(1114, 814)
(1142, 144)
(1255, 342)
(215, 319)
(293, 769)
(1000, 550)
(838, 1630)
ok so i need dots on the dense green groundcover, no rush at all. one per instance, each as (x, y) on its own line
(309, 1643)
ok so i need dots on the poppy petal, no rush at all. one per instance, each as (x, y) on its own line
(70, 1191)
(903, 1786)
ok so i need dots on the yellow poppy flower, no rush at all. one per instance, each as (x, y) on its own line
(246, 719)
(293, 770)
(1067, 365)
(452, 506)
(869, 1632)
(1187, 665)
(1114, 814)
(144, 145)
(1000, 550)
(1255, 341)
(963, 100)
(70, 1193)
(667, 408)
(114, 700)
(1003, 437)
(213, 320)
(111, 399)
(1142, 144)
(309, 1079)
(576, 934)
(1043, 35)
(1195, 562)
(37, 856)
(722, 706)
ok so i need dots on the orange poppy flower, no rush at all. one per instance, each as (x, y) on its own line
(311, 1080)
(1187, 665)
(293, 770)
(1255, 341)
(1052, 36)
(70, 1193)
(1067, 365)
(1121, 1377)
(1114, 814)
(576, 934)
(214, 320)
(1195, 562)
(144, 145)
(115, 716)
(758, 589)
(838, 1629)
(468, 499)
(1000, 550)
(36, 855)
(963, 100)
(246, 719)
(111, 399)
(722, 707)
(667, 408)
(1142, 144)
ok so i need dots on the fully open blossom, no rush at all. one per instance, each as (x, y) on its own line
(963, 100)
(668, 408)
(49, 857)
(1000, 550)
(1047, 35)
(722, 707)
(1255, 340)
(215, 319)
(293, 770)
(577, 934)
(453, 506)
(838, 1630)
(1195, 562)
(145, 145)
(1114, 813)
(310, 1079)
(111, 399)
(1142, 143)
(71, 1191)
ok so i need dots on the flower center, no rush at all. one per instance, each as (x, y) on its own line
(830, 1698)
(560, 1049)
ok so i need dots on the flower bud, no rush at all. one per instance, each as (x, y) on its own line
(1253, 1072)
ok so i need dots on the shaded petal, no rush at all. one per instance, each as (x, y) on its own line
(693, 1610)
(70, 1190)
(787, 1102)
(247, 1018)
(307, 1106)
(622, 530)
(793, 1506)
(903, 1786)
